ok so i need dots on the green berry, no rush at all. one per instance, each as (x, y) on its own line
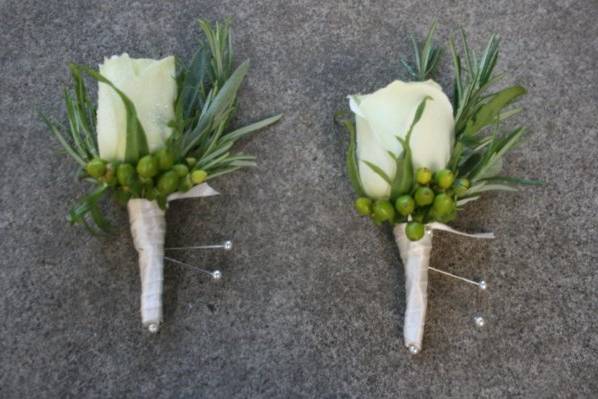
(405, 205)
(110, 175)
(181, 169)
(165, 158)
(185, 184)
(147, 166)
(444, 178)
(414, 231)
(125, 173)
(168, 182)
(198, 176)
(363, 206)
(96, 168)
(191, 161)
(424, 196)
(419, 215)
(383, 211)
(443, 205)
(461, 186)
(423, 176)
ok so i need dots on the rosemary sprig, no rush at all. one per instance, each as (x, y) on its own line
(426, 57)
(477, 156)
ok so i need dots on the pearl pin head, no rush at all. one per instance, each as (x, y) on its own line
(479, 321)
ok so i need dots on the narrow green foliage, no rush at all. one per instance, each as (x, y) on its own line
(136, 146)
(351, 157)
(68, 147)
(378, 171)
(405, 175)
(513, 181)
(88, 210)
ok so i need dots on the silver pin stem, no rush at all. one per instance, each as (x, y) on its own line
(226, 245)
(481, 284)
(216, 274)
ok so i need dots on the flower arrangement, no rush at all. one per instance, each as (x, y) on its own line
(416, 158)
(158, 133)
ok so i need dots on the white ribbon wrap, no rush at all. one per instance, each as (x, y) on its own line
(148, 228)
(416, 259)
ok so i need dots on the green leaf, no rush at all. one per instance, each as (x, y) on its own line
(74, 126)
(89, 206)
(136, 146)
(483, 187)
(490, 111)
(351, 157)
(514, 181)
(222, 171)
(463, 201)
(65, 144)
(195, 76)
(245, 130)
(86, 113)
(510, 141)
(404, 176)
(378, 171)
(426, 57)
(418, 115)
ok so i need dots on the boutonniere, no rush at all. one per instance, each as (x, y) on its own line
(416, 157)
(157, 133)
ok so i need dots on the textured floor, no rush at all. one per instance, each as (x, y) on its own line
(312, 300)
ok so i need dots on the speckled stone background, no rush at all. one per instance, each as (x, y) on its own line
(312, 301)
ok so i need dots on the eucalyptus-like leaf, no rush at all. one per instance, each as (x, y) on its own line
(224, 99)
(245, 130)
(490, 111)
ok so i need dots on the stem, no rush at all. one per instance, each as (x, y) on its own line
(148, 228)
(416, 257)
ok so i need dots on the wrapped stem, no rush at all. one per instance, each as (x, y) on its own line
(416, 258)
(148, 228)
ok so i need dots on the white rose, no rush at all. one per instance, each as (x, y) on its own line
(151, 86)
(387, 113)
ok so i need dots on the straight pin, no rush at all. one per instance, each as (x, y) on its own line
(481, 284)
(216, 274)
(226, 245)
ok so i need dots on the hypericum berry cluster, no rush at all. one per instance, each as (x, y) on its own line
(432, 199)
(154, 177)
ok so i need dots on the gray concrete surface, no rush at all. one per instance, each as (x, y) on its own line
(312, 301)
